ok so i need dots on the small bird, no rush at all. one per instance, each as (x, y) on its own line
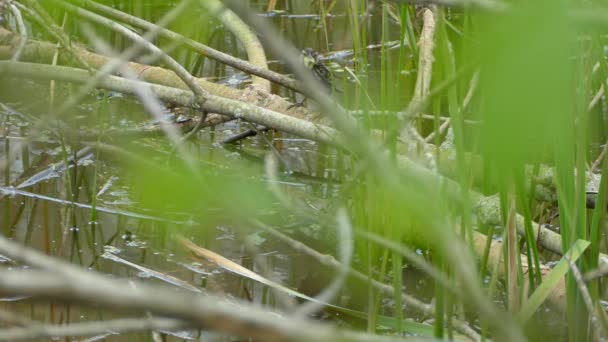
(312, 61)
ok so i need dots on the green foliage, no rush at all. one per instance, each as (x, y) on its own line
(552, 280)
(211, 193)
(531, 106)
(526, 84)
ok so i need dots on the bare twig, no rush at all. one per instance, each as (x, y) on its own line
(387, 290)
(22, 31)
(345, 247)
(463, 107)
(512, 255)
(245, 134)
(412, 257)
(10, 191)
(199, 47)
(584, 291)
(179, 70)
(599, 159)
(594, 101)
(489, 5)
(596, 98)
(40, 15)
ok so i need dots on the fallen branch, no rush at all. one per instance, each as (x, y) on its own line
(38, 51)
(65, 282)
(213, 104)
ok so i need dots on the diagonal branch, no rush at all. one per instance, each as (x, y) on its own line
(197, 46)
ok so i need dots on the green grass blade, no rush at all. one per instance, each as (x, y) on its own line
(551, 281)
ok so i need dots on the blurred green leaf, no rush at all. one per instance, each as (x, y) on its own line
(230, 192)
(551, 281)
(526, 83)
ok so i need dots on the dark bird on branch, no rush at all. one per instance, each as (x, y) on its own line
(312, 61)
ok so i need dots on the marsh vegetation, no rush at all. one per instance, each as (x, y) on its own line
(427, 170)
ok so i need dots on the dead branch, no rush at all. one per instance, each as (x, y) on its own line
(61, 281)
(214, 104)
